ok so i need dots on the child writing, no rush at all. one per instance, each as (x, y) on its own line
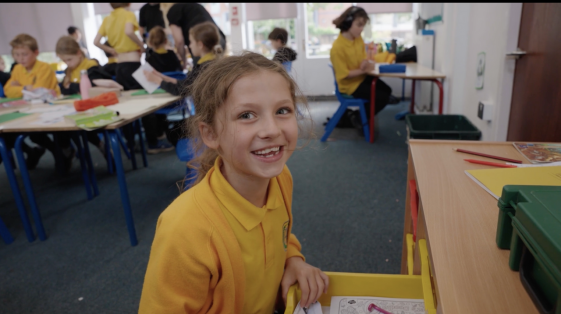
(160, 58)
(29, 73)
(225, 245)
(279, 38)
(204, 42)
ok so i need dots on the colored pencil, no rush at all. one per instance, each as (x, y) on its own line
(488, 163)
(514, 161)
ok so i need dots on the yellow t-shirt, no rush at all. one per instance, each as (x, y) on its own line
(41, 75)
(161, 51)
(84, 65)
(111, 60)
(346, 55)
(262, 235)
(113, 26)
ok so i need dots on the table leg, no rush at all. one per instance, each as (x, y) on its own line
(402, 89)
(372, 107)
(138, 126)
(412, 106)
(129, 134)
(441, 99)
(5, 233)
(108, 152)
(89, 162)
(6, 154)
(83, 166)
(123, 186)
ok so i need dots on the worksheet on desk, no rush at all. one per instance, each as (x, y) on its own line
(359, 305)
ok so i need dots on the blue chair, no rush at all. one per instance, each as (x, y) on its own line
(178, 106)
(184, 151)
(2, 91)
(346, 101)
(287, 66)
(5, 233)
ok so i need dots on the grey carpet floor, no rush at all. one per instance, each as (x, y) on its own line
(348, 214)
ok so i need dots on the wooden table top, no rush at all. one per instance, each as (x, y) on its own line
(149, 103)
(413, 71)
(471, 272)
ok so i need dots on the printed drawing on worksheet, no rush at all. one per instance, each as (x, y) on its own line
(359, 305)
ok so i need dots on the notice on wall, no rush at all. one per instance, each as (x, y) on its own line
(480, 70)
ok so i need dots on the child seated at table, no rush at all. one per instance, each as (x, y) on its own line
(204, 42)
(279, 39)
(160, 58)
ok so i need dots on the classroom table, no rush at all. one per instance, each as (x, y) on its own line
(133, 109)
(458, 219)
(413, 72)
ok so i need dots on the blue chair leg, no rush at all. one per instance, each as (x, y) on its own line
(83, 166)
(333, 122)
(7, 157)
(123, 186)
(89, 163)
(123, 144)
(108, 155)
(364, 120)
(5, 233)
(129, 134)
(402, 89)
(138, 127)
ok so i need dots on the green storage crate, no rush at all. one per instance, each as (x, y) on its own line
(441, 127)
(530, 226)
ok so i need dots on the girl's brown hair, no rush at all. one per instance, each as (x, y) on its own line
(67, 45)
(210, 91)
(208, 34)
(157, 37)
(345, 20)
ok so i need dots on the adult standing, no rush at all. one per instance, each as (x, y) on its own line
(77, 35)
(181, 17)
(348, 56)
(149, 16)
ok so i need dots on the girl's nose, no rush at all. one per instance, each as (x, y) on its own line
(269, 128)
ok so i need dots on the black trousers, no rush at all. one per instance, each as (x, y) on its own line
(123, 75)
(383, 93)
(63, 138)
(155, 125)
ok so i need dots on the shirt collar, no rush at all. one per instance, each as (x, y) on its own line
(345, 40)
(247, 214)
(209, 56)
(161, 51)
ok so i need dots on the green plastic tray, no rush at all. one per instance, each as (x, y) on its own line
(450, 127)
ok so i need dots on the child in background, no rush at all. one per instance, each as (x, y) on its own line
(111, 66)
(119, 28)
(160, 58)
(204, 42)
(4, 77)
(279, 38)
(29, 73)
(225, 245)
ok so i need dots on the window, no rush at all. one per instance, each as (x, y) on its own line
(387, 26)
(321, 33)
(259, 31)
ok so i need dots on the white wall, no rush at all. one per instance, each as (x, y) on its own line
(467, 30)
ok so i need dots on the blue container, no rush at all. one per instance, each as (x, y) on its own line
(392, 68)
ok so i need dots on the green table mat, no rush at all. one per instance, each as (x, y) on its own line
(144, 92)
(3, 100)
(12, 116)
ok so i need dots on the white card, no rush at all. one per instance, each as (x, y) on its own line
(142, 80)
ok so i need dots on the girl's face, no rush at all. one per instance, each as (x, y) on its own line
(276, 44)
(72, 61)
(256, 128)
(357, 27)
(197, 47)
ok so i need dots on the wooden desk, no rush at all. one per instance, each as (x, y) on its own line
(149, 104)
(413, 71)
(459, 221)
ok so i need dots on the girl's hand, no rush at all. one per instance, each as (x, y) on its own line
(366, 66)
(153, 77)
(112, 52)
(15, 83)
(313, 282)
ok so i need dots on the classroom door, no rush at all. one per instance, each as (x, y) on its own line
(535, 114)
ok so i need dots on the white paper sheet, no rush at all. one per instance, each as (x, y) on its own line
(359, 305)
(142, 80)
(50, 114)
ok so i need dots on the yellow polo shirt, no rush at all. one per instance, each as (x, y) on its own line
(161, 51)
(208, 57)
(262, 234)
(41, 75)
(84, 65)
(113, 26)
(346, 55)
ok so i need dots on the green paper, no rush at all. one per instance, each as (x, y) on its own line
(12, 116)
(144, 92)
(3, 100)
(94, 118)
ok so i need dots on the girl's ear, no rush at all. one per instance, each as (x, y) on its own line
(208, 135)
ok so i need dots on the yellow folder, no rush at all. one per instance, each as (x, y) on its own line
(493, 180)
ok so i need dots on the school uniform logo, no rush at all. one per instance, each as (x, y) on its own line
(285, 235)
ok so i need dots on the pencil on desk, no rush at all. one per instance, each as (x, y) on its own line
(488, 156)
(488, 163)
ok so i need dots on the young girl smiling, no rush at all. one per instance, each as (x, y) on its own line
(225, 245)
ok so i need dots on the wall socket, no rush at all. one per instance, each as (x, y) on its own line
(485, 111)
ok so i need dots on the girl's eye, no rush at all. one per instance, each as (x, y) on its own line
(285, 110)
(246, 115)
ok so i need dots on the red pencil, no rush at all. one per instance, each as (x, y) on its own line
(488, 163)
(488, 156)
